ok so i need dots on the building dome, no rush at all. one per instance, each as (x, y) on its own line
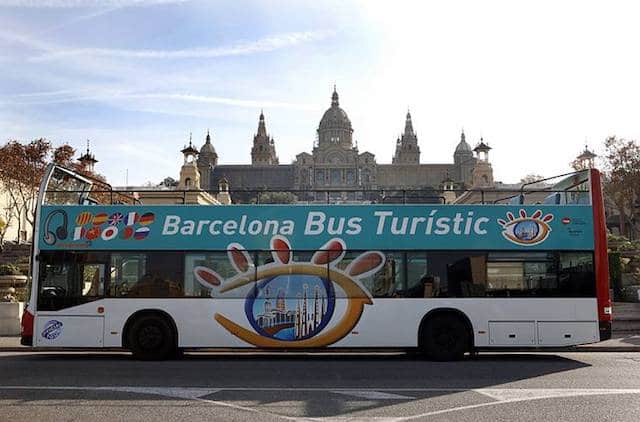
(207, 148)
(335, 126)
(335, 117)
(463, 146)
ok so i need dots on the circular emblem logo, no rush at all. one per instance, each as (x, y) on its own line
(52, 329)
(526, 230)
(290, 307)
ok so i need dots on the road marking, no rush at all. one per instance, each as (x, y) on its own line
(177, 392)
(372, 395)
(515, 395)
(499, 395)
(190, 393)
(509, 394)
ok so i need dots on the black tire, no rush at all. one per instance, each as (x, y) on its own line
(445, 338)
(151, 337)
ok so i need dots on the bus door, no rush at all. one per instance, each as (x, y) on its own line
(70, 313)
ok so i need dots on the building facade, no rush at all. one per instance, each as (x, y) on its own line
(336, 168)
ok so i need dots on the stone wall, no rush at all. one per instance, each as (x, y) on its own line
(16, 254)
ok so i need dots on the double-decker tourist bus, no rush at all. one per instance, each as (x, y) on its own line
(441, 279)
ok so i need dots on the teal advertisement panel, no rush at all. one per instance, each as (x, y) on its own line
(311, 226)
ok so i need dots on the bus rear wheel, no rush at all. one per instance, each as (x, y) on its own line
(445, 338)
(151, 337)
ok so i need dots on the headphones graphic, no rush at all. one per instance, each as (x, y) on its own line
(61, 231)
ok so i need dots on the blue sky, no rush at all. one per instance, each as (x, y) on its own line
(136, 77)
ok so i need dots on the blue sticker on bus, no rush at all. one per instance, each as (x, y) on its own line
(52, 329)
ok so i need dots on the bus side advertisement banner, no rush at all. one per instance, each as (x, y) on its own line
(308, 227)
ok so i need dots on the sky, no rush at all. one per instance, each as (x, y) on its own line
(537, 80)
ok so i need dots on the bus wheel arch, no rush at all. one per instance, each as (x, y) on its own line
(159, 328)
(448, 320)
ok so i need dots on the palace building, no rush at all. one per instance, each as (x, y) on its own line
(335, 166)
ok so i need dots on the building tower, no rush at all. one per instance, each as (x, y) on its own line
(87, 160)
(586, 160)
(298, 326)
(207, 160)
(463, 160)
(281, 305)
(189, 174)
(407, 150)
(482, 171)
(305, 313)
(263, 152)
(335, 127)
(448, 189)
(317, 314)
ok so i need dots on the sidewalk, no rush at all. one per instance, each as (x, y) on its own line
(622, 342)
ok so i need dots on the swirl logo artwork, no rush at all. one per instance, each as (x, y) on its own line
(52, 329)
(293, 303)
(526, 230)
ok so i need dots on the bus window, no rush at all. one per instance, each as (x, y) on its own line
(460, 274)
(65, 187)
(386, 281)
(155, 274)
(521, 274)
(416, 275)
(93, 275)
(576, 275)
(69, 279)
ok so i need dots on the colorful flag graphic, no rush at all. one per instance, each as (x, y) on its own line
(147, 219)
(116, 218)
(109, 233)
(131, 219)
(93, 233)
(100, 219)
(141, 233)
(79, 233)
(83, 218)
(126, 233)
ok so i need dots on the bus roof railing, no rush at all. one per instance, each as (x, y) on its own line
(344, 195)
(101, 192)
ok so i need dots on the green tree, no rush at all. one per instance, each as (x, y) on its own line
(622, 181)
(22, 166)
(276, 198)
(21, 169)
(169, 182)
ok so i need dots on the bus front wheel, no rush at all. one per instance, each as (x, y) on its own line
(445, 337)
(151, 337)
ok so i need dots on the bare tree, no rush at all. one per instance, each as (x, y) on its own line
(531, 178)
(5, 222)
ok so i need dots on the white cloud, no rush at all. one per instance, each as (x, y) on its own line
(222, 100)
(71, 96)
(266, 44)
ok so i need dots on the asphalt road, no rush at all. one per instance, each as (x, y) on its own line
(240, 387)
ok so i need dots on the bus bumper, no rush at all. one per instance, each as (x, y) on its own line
(605, 330)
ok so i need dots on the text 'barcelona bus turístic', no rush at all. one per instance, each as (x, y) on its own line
(441, 279)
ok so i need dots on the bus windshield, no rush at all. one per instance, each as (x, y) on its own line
(64, 187)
